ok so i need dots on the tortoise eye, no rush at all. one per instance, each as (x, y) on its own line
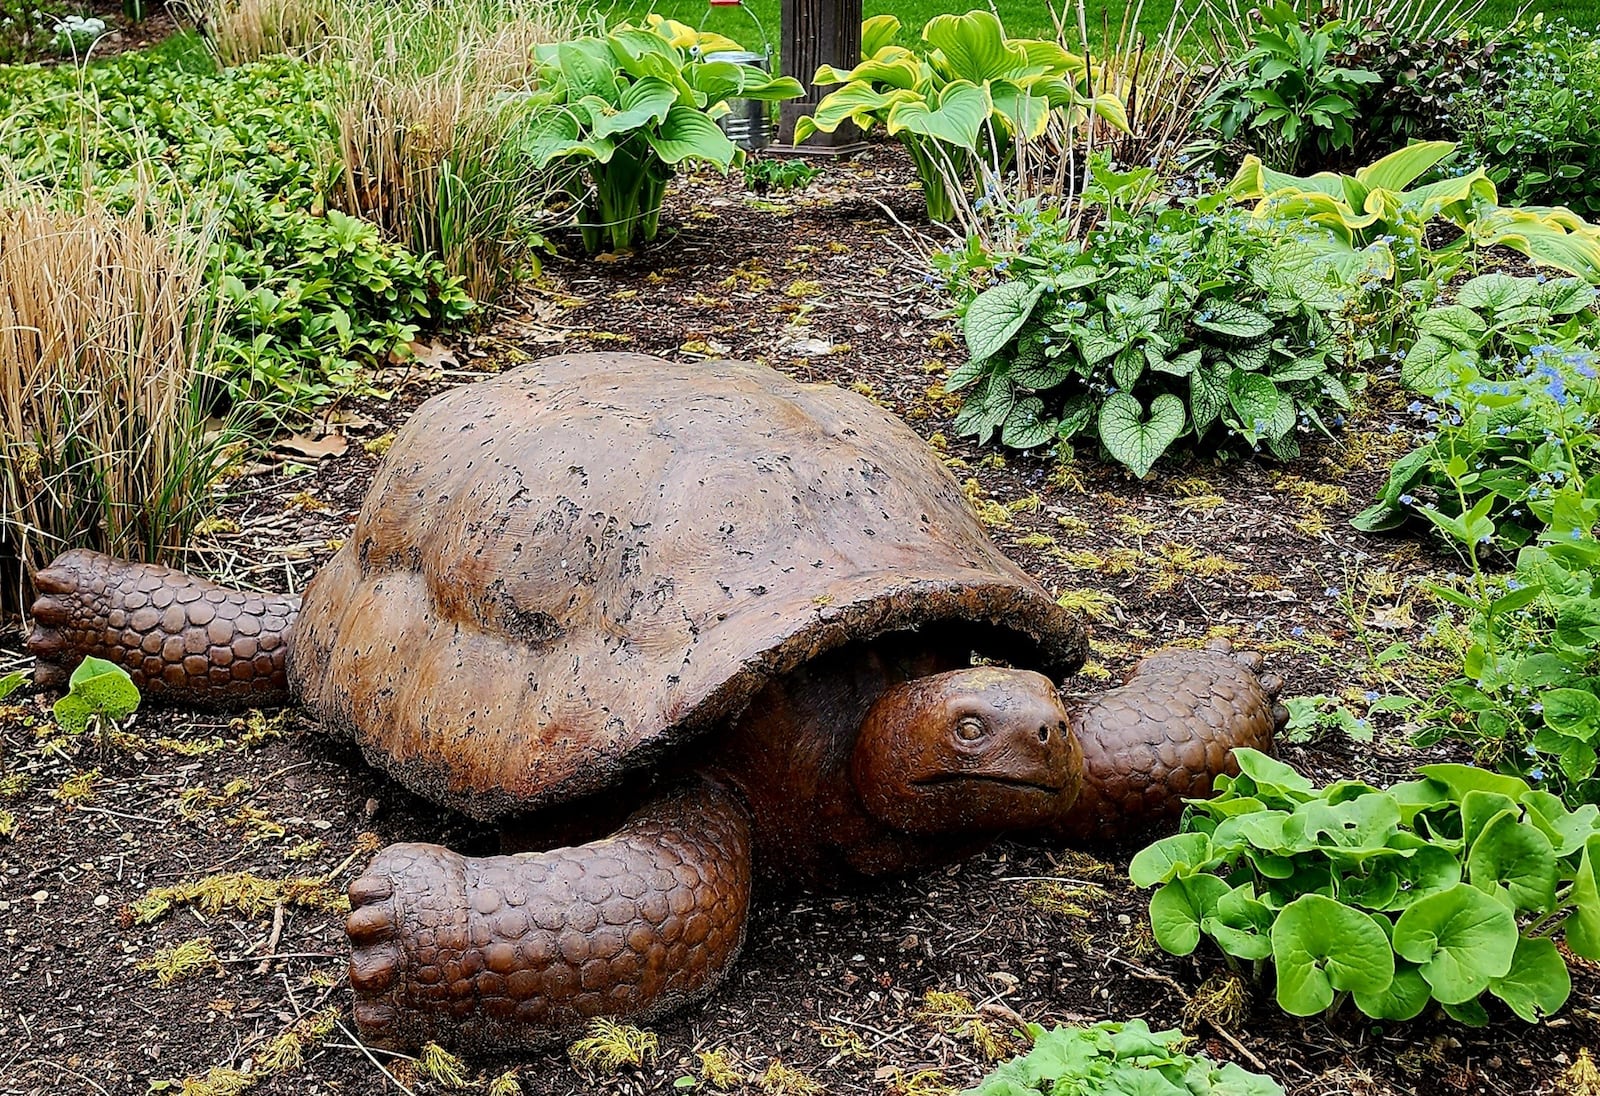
(970, 729)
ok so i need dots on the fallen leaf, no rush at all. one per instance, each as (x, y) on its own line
(329, 445)
(433, 355)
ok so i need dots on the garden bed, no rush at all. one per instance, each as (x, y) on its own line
(826, 285)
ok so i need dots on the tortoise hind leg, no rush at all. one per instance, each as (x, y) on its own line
(1165, 734)
(181, 638)
(522, 951)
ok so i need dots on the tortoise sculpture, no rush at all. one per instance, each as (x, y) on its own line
(758, 614)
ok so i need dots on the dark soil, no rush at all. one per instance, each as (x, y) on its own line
(827, 285)
(122, 34)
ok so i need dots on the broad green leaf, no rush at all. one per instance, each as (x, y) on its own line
(1134, 440)
(877, 33)
(1404, 998)
(1319, 946)
(1573, 712)
(1567, 830)
(687, 134)
(1516, 859)
(645, 102)
(1538, 984)
(1168, 858)
(1460, 938)
(858, 103)
(1430, 365)
(1461, 779)
(1583, 926)
(1455, 324)
(1233, 319)
(956, 120)
(11, 682)
(1208, 395)
(1496, 292)
(1255, 400)
(1240, 924)
(96, 688)
(1405, 166)
(973, 47)
(996, 315)
(1180, 906)
(1026, 426)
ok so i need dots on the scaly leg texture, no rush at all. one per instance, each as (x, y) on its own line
(522, 951)
(180, 638)
(1166, 734)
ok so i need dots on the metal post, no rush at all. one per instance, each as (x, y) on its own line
(816, 33)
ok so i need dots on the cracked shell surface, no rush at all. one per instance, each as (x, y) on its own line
(565, 571)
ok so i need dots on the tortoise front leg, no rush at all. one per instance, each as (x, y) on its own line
(1165, 734)
(180, 638)
(522, 951)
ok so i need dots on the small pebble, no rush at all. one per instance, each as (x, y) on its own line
(101, 901)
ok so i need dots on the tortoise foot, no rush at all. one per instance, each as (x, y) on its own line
(1166, 733)
(523, 951)
(180, 638)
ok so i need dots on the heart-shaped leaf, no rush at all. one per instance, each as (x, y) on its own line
(1460, 938)
(1180, 907)
(1538, 984)
(996, 315)
(1133, 440)
(1166, 859)
(96, 688)
(1319, 946)
(1402, 999)
(1514, 859)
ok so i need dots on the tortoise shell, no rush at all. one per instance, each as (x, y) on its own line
(567, 571)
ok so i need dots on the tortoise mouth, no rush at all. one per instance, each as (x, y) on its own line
(990, 778)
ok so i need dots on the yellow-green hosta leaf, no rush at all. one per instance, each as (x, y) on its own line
(1026, 113)
(682, 36)
(973, 47)
(1051, 58)
(1110, 108)
(878, 33)
(1255, 180)
(1546, 238)
(1401, 168)
(904, 71)
(555, 134)
(588, 68)
(855, 102)
(1440, 196)
(957, 120)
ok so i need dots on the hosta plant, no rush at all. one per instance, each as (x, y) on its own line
(962, 107)
(1449, 889)
(623, 112)
(1165, 320)
(1377, 208)
(1118, 1059)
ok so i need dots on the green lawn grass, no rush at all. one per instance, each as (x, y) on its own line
(1022, 18)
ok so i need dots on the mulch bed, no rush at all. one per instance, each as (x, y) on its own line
(828, 286)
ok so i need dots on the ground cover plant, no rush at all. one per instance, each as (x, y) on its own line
(1446, 889)
(1166, 318)
(306, 290)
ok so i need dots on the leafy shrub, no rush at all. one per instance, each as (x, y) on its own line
(1512, 412)
(1422, 74)
(105, 351)
(1289, 94)
(1439, 889)
(1166, 318)
(623, 112)
(965, 108)
(1115, 1059)
(1373, 209)
(1535, 123)
(309, 291)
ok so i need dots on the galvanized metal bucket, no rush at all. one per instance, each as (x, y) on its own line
(748, 122)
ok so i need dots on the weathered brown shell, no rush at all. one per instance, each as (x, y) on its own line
(565, 571)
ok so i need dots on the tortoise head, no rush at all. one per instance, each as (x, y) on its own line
(978, 750)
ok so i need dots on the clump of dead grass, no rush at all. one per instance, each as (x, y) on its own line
(105, 364)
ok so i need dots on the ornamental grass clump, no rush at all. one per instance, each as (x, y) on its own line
(106, 357)
(426, 97)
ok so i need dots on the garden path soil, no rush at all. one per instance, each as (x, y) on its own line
(826, 285)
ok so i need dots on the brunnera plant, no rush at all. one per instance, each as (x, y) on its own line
(1445, 890)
